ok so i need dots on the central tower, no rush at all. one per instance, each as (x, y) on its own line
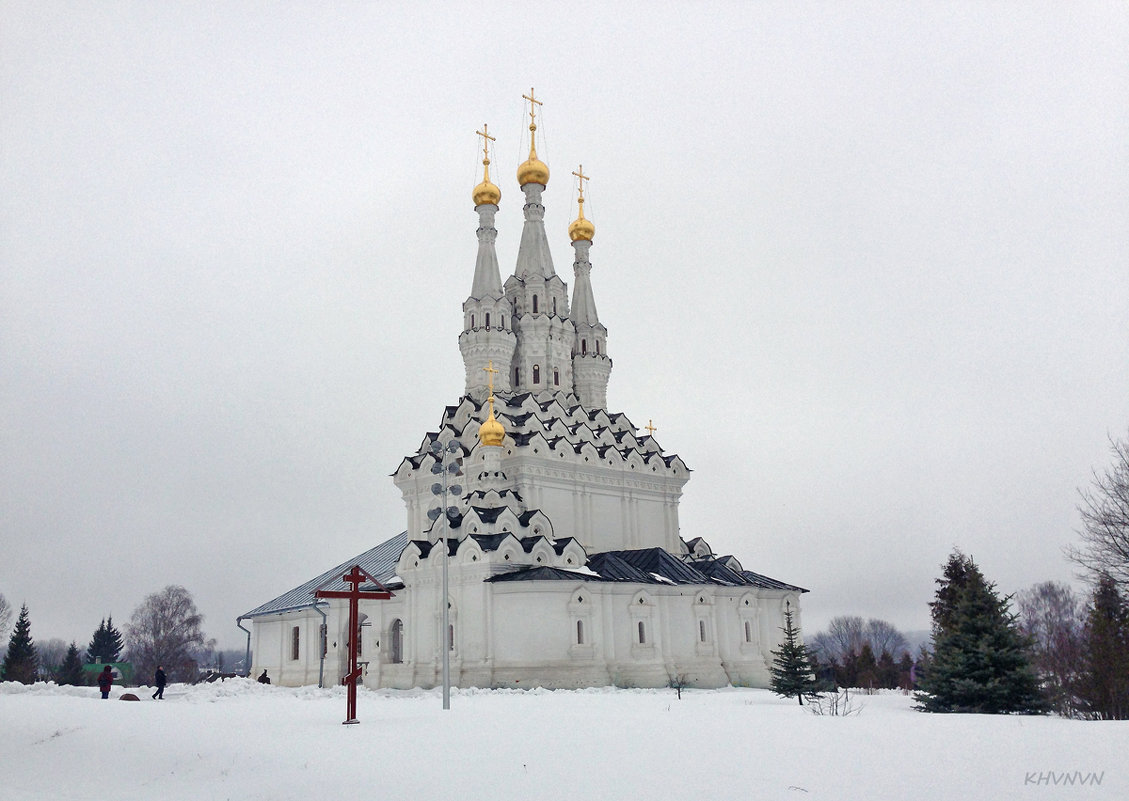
(538, 297)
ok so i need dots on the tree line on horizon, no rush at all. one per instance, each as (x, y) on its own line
(1057, 652)
(165, 629)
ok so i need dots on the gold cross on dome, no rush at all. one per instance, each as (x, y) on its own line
(650, 427)
(486, 140)
(490, 371)
(579, 173)
(533, 103)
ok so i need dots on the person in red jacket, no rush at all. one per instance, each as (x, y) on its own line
(105, 681)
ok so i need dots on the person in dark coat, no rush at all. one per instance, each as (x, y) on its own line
(105, 681)
(264, 679)
(159, 682)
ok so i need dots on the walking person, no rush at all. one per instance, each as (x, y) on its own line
(159, 682)
(106, 681)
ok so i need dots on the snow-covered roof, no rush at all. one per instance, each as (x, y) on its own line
(379, 562)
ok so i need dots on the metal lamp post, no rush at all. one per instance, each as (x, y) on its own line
(446, 464)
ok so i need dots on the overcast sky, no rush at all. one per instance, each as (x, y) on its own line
(866, 267)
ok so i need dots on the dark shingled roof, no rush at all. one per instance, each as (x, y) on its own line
(757, 580)
(544, 574)
(613, 568)
(379, 562)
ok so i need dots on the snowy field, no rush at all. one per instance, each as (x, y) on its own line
(241, 740)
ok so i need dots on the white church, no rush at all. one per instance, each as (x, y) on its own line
(566, 562)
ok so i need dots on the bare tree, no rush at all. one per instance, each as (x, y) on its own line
(51, 654)
(5, 617)
(844, 636)
(1105, 521)
(1054, 616)
(885, 638)
(165, 630)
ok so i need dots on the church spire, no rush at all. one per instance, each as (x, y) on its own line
(486, 337)
(487, 276)
(590, 363)
(533, 257)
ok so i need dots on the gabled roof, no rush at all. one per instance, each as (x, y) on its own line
(757, 580)
(543, 573)
(379, 562)
(613, 568)
(662, 563)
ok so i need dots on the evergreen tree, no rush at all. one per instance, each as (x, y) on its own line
(21, 662)
(867, 676)
(887, 671)
(949, 586)
(906, 672)
(981, 661)
(791, 668)
(1103, 687)
(106, 644)
(70, 672)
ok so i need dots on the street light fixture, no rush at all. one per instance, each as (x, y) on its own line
(446, 464)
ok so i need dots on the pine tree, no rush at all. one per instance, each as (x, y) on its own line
(1103, 687)
(981, 661)
(791, 668)
(867, 667)
(21, 662)
(70, 672)
(106, 644)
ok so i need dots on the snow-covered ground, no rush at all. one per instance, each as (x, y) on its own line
(241, 740)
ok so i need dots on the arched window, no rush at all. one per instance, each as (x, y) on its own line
(580, 632)
(451, 637)
(536, 374)
(502, 324)
(748, 631)
(472, 321)
(535, 304)
(702, 630)
(397, 641)
(554, 305)
(583, 346)
(556, 377)
(642, 633)
(487, 319)
(597, 341)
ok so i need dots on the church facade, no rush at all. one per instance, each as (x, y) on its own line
(566, 564)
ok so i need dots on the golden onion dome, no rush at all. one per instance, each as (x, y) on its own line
(491, 432)
(533, 170)
(486, 192)
(580, 228)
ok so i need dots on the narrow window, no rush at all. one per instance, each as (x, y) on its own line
(580, 632)
(294, 642)
(748, 632)
(702, 630)
(451, 637)
(554, 305)
(503, 323)
(536, 374)
(487, 319)
(472, 321)
(397, 639)
(642, 633)
(556, 377)
(535, 304)
(597, 343)
(583, 346)
(517, 380)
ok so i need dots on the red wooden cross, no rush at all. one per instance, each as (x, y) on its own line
(354, 577)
